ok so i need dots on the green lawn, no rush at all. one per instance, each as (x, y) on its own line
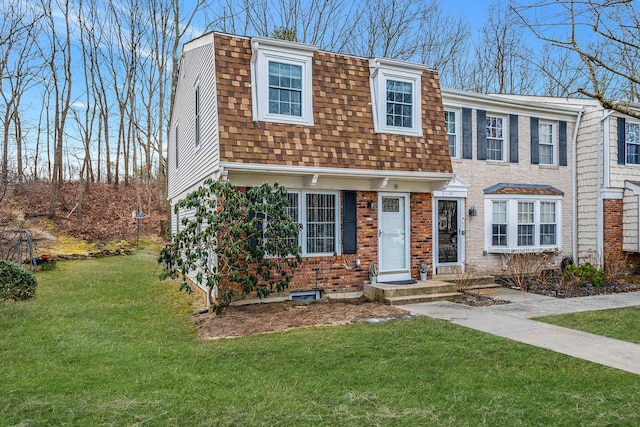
(105, 343)
(622, 323)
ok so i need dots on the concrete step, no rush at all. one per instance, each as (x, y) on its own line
(427, 291)
(482, 280)
(415, 299)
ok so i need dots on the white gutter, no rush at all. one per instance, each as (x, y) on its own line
(574, 190)
(338, 172)
(600, 185)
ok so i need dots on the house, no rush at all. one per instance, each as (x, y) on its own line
(608, 182)
(360, 143)
(514, 189)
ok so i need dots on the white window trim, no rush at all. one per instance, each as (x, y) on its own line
(626, 144)
(512, 222)
(505, 132)
(458, 131)
(302, 216)
(554, 143)
(265, 50)
(380, 72)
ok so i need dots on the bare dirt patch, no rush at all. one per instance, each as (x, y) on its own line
(254, 319)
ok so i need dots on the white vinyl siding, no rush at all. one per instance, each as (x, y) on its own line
(197, 70)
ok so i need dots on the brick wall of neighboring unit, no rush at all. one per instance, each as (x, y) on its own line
(612, 229)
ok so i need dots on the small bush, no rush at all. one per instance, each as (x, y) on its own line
(583, 274)
(16, 283)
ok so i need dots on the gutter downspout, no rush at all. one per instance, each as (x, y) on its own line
(574, 190)
(600, 185)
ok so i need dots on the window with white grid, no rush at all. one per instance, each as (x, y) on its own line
(499, 224)
(632, 138)
(495, 138)
(547, 223)
(450, 121)
(524, 223)
(546, 144)
(321, 214)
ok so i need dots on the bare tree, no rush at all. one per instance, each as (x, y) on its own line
(18, 73)
(604, 35)
(56, 53)
(499, 61)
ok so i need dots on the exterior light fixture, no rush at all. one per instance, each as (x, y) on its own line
(473, 211)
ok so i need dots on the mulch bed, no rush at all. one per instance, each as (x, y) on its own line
(245, 320)
(565, 291)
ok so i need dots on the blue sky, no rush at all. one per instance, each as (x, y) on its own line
(473, 10)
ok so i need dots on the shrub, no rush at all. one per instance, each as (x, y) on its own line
(583, 274)
(16, 283)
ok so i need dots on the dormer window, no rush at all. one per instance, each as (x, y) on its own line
(396, 89)
(281, 81)
(285, 89)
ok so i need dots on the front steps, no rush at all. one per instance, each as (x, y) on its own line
(428, 291)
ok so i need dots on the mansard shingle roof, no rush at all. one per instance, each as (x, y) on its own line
(342, 135)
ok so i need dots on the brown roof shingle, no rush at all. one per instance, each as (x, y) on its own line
(343, 134)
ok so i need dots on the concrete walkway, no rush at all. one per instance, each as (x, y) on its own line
(513, 321)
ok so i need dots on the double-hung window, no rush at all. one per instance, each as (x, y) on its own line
(399, 104)
(197, 115)
(526, 224)
(319, 215)
(281, 81)
(499, 224)
(522, 223)
(548, 223)
(546, 144)
(451, 124)
(176, 141)
(285, 89)
(396, 89)
(632, 138)
(495, 137)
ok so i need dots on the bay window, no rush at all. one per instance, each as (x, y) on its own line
(522, 223)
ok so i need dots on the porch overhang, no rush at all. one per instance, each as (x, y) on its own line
(303, 177)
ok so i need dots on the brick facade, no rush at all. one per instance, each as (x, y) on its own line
(613, 234)
(612, 215)
(340, 274)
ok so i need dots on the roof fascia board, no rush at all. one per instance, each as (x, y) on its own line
(459, 99)
(199, 42)
(338, 172)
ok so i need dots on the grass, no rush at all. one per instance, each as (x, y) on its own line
(105, 343)
(620, 323)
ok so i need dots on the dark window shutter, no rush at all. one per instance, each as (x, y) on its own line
(562, 141)
(349, 223)
(513, 138)
(253, 241)
(481, 124)
(467, 134)
(622, 151)
(535, 140)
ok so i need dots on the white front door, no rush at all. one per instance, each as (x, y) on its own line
(393, 237)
